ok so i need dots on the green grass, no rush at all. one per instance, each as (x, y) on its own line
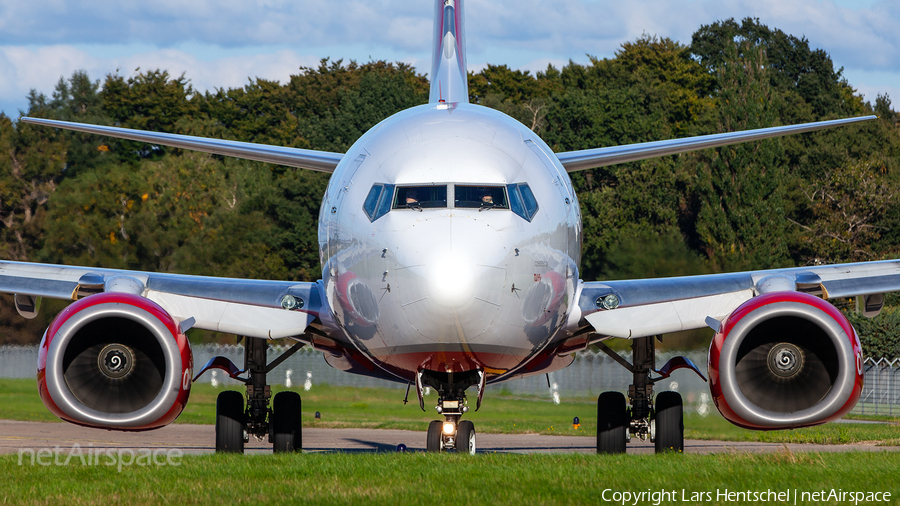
(382, 408)
(19, 400)
(421, 478)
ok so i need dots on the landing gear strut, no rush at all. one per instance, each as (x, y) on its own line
(236, 421)
(663, 423)
(451, 433)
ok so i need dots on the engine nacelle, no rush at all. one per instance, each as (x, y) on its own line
(785, 360)
(115, 361)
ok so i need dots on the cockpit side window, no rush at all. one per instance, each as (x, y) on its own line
(522, 201)
(378, 201)
(371, 203)
(481, 197)
(421, 197)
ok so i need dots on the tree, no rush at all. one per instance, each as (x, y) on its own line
(847, 206)
(31, 167)
(741, 222)
(146, 101)
(794, 66)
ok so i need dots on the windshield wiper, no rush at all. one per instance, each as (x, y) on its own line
(486, 205)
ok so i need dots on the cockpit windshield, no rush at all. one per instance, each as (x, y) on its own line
(383, 197)
(493, 197)
(421, 197)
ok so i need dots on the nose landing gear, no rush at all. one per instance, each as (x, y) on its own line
(452, 433)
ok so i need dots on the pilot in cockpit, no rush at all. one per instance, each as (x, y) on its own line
(486, 198)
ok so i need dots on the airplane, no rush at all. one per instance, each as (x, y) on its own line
(450, 238)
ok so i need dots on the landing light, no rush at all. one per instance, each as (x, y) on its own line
(608, 302)
(449, 428)
(290, 302)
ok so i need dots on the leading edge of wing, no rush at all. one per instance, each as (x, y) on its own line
(323, 161)
(600, 157)
(236, 306)
(646, 307)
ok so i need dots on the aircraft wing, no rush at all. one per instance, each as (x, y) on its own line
(250, 308)
(646, 307)
(599, 157)
(323, 161)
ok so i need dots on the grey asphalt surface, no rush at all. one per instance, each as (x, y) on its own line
(201, 439)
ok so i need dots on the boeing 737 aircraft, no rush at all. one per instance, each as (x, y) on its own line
(450, 240)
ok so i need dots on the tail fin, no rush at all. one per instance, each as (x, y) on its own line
(449, 78)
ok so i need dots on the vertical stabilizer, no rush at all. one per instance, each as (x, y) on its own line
(449, 79)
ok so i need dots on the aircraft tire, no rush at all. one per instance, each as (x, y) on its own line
(287, 425)
(230, 422)
(465, 437)
(612, 422)
(434, 437)
(669, 422)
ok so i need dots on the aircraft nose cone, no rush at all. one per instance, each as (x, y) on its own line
(452, 280)
(451, 277)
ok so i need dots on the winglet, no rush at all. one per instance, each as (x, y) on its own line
(449, 78)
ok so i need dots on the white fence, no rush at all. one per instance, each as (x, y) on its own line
(588, 376)
(881, 390)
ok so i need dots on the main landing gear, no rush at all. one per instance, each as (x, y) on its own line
(662, 423)
(452, 433)
(237, 421)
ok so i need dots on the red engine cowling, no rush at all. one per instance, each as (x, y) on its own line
(785, 360)
(115, 361)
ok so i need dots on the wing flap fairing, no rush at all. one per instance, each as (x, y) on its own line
(234, 318)
(666, 317)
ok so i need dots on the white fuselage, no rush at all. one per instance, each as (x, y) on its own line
(450, 288)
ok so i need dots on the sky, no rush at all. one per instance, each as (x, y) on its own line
(224, 43)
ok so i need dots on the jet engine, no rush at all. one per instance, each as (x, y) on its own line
(785, 360)
(115, 361)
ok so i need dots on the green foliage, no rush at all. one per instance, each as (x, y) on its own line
(796, 68)
(741, 222)
(30, 169)
(846, 208)
(515, 92)
(879, 336)
(634, 217)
